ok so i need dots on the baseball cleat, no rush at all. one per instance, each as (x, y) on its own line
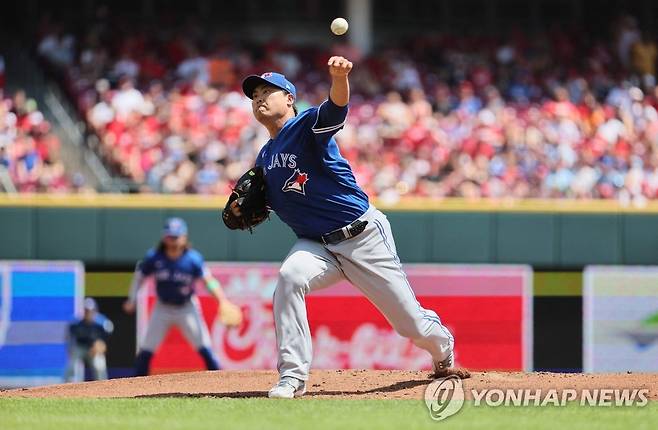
(446, 367)
(287, 388)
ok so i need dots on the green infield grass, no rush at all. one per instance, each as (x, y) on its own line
(307, 413)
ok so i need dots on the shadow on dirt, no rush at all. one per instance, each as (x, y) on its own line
(398, 386)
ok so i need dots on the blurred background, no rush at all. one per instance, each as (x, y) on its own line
(520, 135)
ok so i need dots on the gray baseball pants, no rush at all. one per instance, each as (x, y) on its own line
(370, 262)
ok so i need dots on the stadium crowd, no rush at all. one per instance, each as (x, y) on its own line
(29, 151)
(552, 114)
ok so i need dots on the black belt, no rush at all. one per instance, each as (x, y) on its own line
(344, 233)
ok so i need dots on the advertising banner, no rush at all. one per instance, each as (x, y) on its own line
(620, 319)
(488, 309)
(37, 302)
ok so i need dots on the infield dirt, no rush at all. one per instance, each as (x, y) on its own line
(355, 384)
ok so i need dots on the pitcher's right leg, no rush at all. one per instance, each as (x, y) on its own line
(308, 266)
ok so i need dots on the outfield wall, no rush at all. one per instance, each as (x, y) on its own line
(115, 231)
(558, 238)
(557, 316)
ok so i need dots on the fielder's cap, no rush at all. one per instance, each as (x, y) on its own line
(175, 227)
(90, 304)
(269, 78)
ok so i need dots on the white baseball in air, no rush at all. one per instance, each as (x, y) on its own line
(339, 26)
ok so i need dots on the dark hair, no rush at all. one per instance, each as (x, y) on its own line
(294, 108)
(161, 246)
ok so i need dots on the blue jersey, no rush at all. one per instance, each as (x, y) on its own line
(310, 185)
(174, 279)
(85, 333)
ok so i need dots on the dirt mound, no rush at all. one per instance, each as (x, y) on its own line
(361, 384)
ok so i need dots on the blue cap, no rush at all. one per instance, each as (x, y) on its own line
(269, 78)
(174, 227)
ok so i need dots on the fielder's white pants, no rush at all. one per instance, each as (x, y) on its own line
(80, 354)
(370, 262)
(186, 317)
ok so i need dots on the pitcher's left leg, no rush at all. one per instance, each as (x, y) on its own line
(370, 262)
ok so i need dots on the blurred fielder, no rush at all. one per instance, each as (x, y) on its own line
(176, 267)
(88, 343)
(312, 189)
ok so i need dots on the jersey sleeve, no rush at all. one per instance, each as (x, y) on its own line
(106, 325)
(147, 266)
(108, 328)
(329, 119)
(199, 267)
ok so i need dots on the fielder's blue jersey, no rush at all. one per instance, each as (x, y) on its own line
(310, 185)
(174, 279)
(85, 333)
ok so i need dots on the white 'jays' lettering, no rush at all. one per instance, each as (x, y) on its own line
(283, 160)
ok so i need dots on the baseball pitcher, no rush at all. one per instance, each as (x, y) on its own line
(312, 189)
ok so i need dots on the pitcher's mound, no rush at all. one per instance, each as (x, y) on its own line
(356, 384)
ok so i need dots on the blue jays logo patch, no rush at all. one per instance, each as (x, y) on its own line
(296, 182)
(266, 75)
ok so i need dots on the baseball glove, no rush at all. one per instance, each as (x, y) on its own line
(249, 193)
(230, 314)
